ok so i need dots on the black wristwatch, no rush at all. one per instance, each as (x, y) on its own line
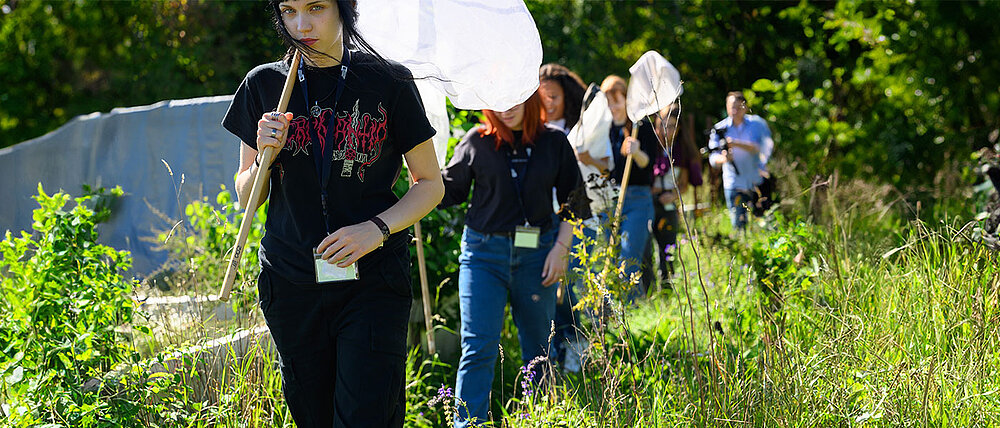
(381, 227)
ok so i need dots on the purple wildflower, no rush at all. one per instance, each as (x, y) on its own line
(445, 392)
(528, 375)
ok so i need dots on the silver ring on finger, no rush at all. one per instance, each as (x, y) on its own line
(274, 133)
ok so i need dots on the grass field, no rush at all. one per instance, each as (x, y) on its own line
(847, 312)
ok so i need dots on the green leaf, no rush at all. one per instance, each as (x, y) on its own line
(67, 363)
(763, 85)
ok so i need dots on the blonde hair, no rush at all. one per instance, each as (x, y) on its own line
(614, 83)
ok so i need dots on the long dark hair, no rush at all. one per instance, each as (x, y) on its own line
(353, 40)
(572, 86)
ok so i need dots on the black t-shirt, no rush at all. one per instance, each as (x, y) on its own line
(377, 120)
(647, 142)
(495, 206)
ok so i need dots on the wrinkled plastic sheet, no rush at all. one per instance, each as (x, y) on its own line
(130, 147)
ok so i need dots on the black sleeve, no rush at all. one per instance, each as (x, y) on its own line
(244, 112)
(570, 190)
(408, 125)
(458, 175)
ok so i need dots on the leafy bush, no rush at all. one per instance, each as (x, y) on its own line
(199, 248)
(778, 259)
(63, 300)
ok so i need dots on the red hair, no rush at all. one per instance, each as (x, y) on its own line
(532, 124)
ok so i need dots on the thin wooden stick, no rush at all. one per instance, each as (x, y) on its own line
(425, 289)
(624, 185)
(263, 174)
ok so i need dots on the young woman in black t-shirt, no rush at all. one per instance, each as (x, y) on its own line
(514, 247)
(352, 118)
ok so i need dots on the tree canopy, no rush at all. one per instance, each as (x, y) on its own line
(891, 90)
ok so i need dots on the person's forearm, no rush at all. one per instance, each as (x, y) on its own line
(422, 197)
(601, 164)
(244, 185)
(640, 158)
(745, 145)
(565, 237)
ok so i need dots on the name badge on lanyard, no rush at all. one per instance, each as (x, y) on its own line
(323, 157)
(524, 236)
(327, 272)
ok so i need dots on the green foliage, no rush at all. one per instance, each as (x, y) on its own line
(199, 248)
(893, 90)
(890, 90)
(778, 258)
(65, 58)
(64, 299)
(906, 338)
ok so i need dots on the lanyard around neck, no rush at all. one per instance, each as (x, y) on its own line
(517, 178)
(323, 149)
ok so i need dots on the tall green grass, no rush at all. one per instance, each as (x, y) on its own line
(852, 318)
(840, 308)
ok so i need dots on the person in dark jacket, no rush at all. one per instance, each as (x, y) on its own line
(514, 247)
(562, 94)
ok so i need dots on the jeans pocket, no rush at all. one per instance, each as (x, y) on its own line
(472, 239)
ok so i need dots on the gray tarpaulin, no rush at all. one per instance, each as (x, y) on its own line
(126, 147)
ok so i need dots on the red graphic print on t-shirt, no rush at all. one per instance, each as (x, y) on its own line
(358, 137)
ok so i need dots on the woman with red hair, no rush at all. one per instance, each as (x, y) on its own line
(514, 247)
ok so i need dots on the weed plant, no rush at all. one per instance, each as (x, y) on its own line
(838, 308)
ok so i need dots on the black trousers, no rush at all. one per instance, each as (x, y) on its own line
(664, 229)
(342, 345)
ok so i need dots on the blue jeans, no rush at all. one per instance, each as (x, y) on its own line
(493, 271)
(637, 213)
(738, 202)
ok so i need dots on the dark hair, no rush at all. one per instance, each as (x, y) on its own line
(573, 89)
(532, 124)
(738, 95)
(348, 10)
